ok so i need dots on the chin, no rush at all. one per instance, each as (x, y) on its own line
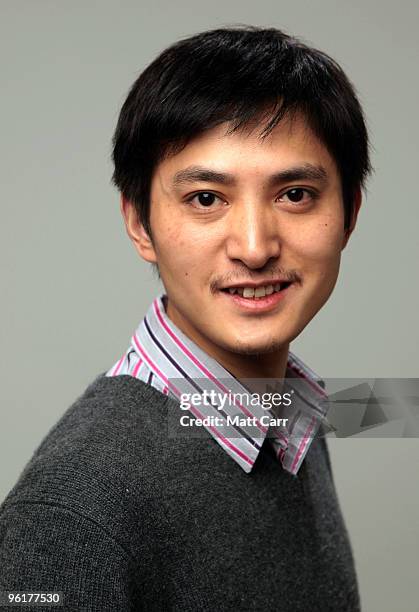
(258, 348)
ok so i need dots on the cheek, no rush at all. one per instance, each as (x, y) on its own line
(183, 254)
(184, 241)
(319, 244)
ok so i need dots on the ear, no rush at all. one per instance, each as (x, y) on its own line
(135, 230)
(355, 211)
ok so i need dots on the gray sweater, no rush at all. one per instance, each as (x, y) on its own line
(119, 516)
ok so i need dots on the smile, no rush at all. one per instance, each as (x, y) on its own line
(256, 292)
(257, 299)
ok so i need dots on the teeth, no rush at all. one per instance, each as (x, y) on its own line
(250, 292)
(260, 292)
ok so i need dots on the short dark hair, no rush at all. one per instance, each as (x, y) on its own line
(234, 75)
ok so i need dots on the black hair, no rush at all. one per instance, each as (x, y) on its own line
(234, 75)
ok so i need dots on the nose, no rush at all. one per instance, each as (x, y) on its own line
(252, 235)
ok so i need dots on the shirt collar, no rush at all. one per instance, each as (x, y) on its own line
(179, 366)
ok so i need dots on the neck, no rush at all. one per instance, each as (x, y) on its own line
(261, 365)
(265, 365)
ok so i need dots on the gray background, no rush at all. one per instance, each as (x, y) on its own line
(74, 289)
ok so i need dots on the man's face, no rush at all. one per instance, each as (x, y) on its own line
(234, 210)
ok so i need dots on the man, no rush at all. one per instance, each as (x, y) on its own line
(240, 155)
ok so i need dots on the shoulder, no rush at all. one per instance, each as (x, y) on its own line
(97, 461)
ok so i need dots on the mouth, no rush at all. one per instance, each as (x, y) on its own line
(256, 293)
(259, 299)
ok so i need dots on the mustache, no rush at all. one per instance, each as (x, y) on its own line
(290, 276)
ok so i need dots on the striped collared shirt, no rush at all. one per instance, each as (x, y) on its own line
(161, 355)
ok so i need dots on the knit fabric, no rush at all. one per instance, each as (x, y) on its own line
(120, 516)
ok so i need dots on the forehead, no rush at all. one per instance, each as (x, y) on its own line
(245, 153)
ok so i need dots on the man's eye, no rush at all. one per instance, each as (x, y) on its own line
(203, 198)
(297, 195)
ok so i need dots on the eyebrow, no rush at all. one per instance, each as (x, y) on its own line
(194, 174)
